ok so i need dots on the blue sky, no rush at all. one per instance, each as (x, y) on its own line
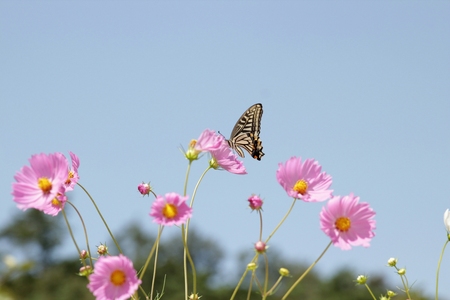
(361, 86)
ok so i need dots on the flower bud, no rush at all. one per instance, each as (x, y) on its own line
(144, 188)
(251, 266)
(361, 279)
(102, 250)
(284, 272)
(447, 220)
(84, 254)
(255, 202)
(85, 271)
(401, 271)
(392, 262)
(391, 294)
(192, 153)
(260, 247)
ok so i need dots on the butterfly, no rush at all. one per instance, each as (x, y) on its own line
(245, 134)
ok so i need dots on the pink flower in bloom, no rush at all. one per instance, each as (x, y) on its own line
(348, 222)
(227, 160)
(209, 141)
(171, 210)
(255, 202)
(38, 185)
(56, 205)
(73, 176)
(144, 188)
(304, 180)
(114, 278)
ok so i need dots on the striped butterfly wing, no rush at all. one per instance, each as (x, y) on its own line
(245, 134)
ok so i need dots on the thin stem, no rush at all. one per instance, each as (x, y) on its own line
(260, 224)
(186, 229)
(150, 255)
(370, 291)
(194, 271)
(266, 279)
(239, 284)
(269, 292)
(103, 219)
(155, 262)
(282, 220)
(84, 228)
(249, 292)
(438, 268)
(306, 272)
(187, 177)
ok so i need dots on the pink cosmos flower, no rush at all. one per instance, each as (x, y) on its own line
(223, 157)
(114, 278)
(38, 185)
(208, 141)
(304, 180)
(73, 176)
(227, 160)
(56, 205)
(347, 222)
(255, 202)
(171, 210)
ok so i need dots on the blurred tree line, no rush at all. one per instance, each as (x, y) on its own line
(43, 275)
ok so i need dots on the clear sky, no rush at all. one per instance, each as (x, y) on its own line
(361, 86)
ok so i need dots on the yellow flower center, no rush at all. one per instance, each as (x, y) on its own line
(192, 143)
(55, 202)
(343, 224)
(45, 185)
(69, 178)
(118, 277)
(170, 211)
(300, 187)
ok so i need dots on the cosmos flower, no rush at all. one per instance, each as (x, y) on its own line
(304, 180)
(170, 210)
(73, 176)
(217, 146)
(40, 183)
(114, 278)
(227, 160)
(348, 222)
(208, 141)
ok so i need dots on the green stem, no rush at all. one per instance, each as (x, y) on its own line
(85, 232)
(306, 272)
(188, 255)
(370, 291)
(187, 177)
(156, 261)
(239, 284)
(103, 219)
(150, 255)
(438, 268)
(282, 220)
(186, 229)
(266, 279)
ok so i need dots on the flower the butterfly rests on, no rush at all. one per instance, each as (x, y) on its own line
(245, 134)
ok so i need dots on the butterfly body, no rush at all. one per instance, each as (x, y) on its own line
(245, 134)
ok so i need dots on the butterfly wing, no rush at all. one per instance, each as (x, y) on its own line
(245, 134)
